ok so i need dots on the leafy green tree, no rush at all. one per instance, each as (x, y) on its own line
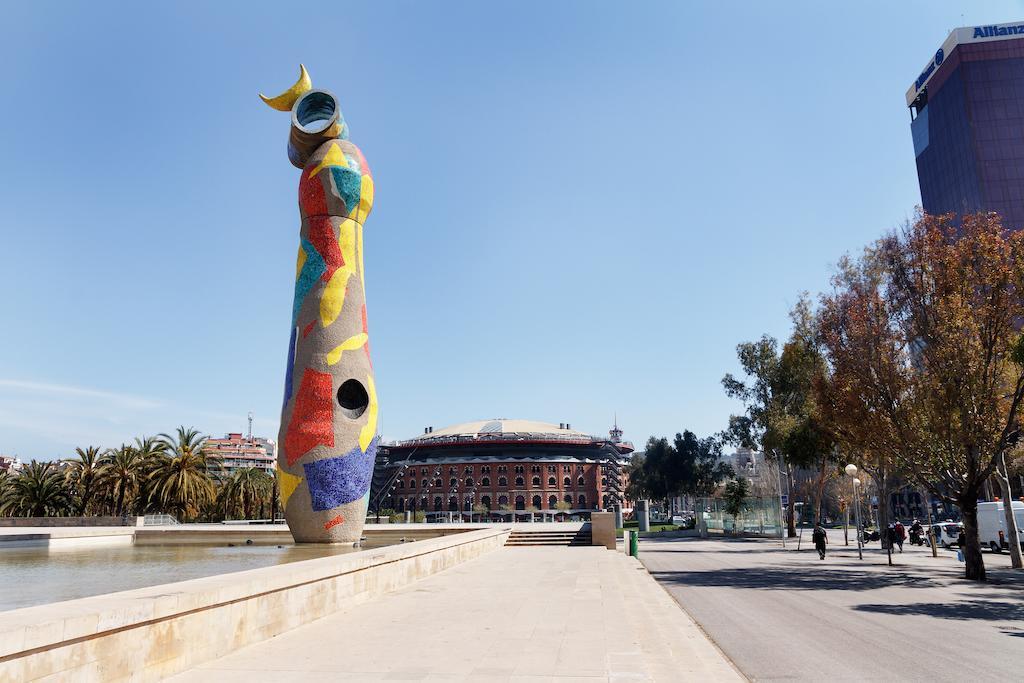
(697, 468)
(781, 416)
(636, 486)
(659, 468)
(923, 334)
(39, 490)
(735, 497)
(83, 476)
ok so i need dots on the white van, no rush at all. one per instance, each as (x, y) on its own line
(992, 525)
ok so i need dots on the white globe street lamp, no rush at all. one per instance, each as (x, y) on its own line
(851, 471)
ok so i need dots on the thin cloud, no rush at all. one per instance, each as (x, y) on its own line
(126, 400)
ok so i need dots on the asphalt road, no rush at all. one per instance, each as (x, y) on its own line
(783, 614)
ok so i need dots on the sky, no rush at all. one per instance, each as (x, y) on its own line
(581, 207)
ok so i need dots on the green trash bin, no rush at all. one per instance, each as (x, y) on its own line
(634, 543)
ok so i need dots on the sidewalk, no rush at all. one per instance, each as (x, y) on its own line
(517, 614)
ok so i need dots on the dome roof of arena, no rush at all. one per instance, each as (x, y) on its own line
(499, 427)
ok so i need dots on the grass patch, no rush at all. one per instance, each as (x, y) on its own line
(655, 528)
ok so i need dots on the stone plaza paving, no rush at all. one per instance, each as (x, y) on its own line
(526, 614)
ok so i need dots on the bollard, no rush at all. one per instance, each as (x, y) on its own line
(643, 515)
(408, 516)
(634, 543)
(618, 516)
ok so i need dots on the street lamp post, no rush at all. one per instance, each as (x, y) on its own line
(851, 471)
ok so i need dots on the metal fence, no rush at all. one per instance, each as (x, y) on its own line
(159, 520)
(760, 516)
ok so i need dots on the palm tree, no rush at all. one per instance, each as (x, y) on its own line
(123, 473)
(246, 488)
(6, 493)
(38, 490)
(149, 448)
(179, 477)
(83, 475)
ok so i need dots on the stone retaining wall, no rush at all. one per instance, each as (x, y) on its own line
(66, 521)
(150, 633)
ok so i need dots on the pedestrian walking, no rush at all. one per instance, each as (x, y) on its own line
(901, 534)
(820, 539)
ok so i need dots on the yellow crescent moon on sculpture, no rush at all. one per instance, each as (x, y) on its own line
(286, 100)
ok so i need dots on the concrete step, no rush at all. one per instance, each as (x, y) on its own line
(549, 538)
(524, 544)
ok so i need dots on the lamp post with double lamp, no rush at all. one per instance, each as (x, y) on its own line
(851, 471)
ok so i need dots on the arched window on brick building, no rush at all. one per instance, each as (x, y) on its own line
(567, 482)
(437, 503)
(552, 502)
(536, 502)
(536, 481)
(502, 500)
(486, 501)
(519, 481)
(552, 482)
(582, 502)
(520, 503)
(502, 481)
(486, 481)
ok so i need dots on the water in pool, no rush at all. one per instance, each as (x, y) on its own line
(39, 575)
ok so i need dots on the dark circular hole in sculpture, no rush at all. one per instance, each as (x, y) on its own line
(352, 398)
(316, 111)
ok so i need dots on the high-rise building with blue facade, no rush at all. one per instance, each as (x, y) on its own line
(967, 122)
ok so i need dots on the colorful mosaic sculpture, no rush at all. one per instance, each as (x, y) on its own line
(328, 437)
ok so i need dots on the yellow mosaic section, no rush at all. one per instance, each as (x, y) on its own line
(369, 430)
(333, 297)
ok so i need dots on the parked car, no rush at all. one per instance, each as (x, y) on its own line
(992, 525)
(947, 534)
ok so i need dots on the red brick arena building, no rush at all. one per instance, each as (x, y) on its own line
(500, 468)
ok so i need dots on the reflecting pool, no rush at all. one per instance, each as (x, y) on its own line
(39, 575)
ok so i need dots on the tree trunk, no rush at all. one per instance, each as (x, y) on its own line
(790, 516)
(884, 484)
(120, 501)
(819, 486)
(1012, 535)
(86, 494)
(974, 564)
(273, 500)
